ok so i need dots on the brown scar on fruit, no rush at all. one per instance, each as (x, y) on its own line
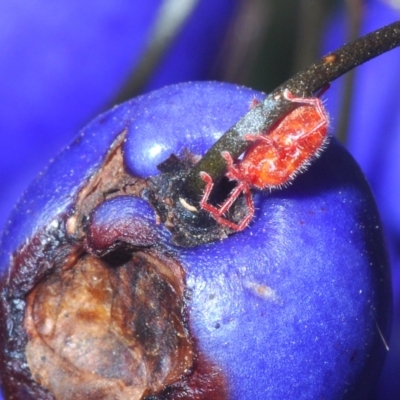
(101, 332)
(111, 180)
(116, 329)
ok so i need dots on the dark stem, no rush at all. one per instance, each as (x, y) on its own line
(304, 84)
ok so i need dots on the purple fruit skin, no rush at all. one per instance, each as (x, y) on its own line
(374, 141)
(292, 307)
(125, 218)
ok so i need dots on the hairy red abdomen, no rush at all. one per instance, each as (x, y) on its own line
(276, 158)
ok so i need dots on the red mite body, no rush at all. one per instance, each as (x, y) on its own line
(275, 157)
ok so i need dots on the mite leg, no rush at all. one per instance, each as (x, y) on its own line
(250, 208)
(241, 187)
(313, 101)
(233, 195)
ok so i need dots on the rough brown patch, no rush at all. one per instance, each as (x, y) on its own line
(111, 180)
(111, 333)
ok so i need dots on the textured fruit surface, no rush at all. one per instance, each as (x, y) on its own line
(296, 306)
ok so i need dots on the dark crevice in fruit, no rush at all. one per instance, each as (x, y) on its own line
(117, 258)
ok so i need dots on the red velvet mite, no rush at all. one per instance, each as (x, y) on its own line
(274, 159)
